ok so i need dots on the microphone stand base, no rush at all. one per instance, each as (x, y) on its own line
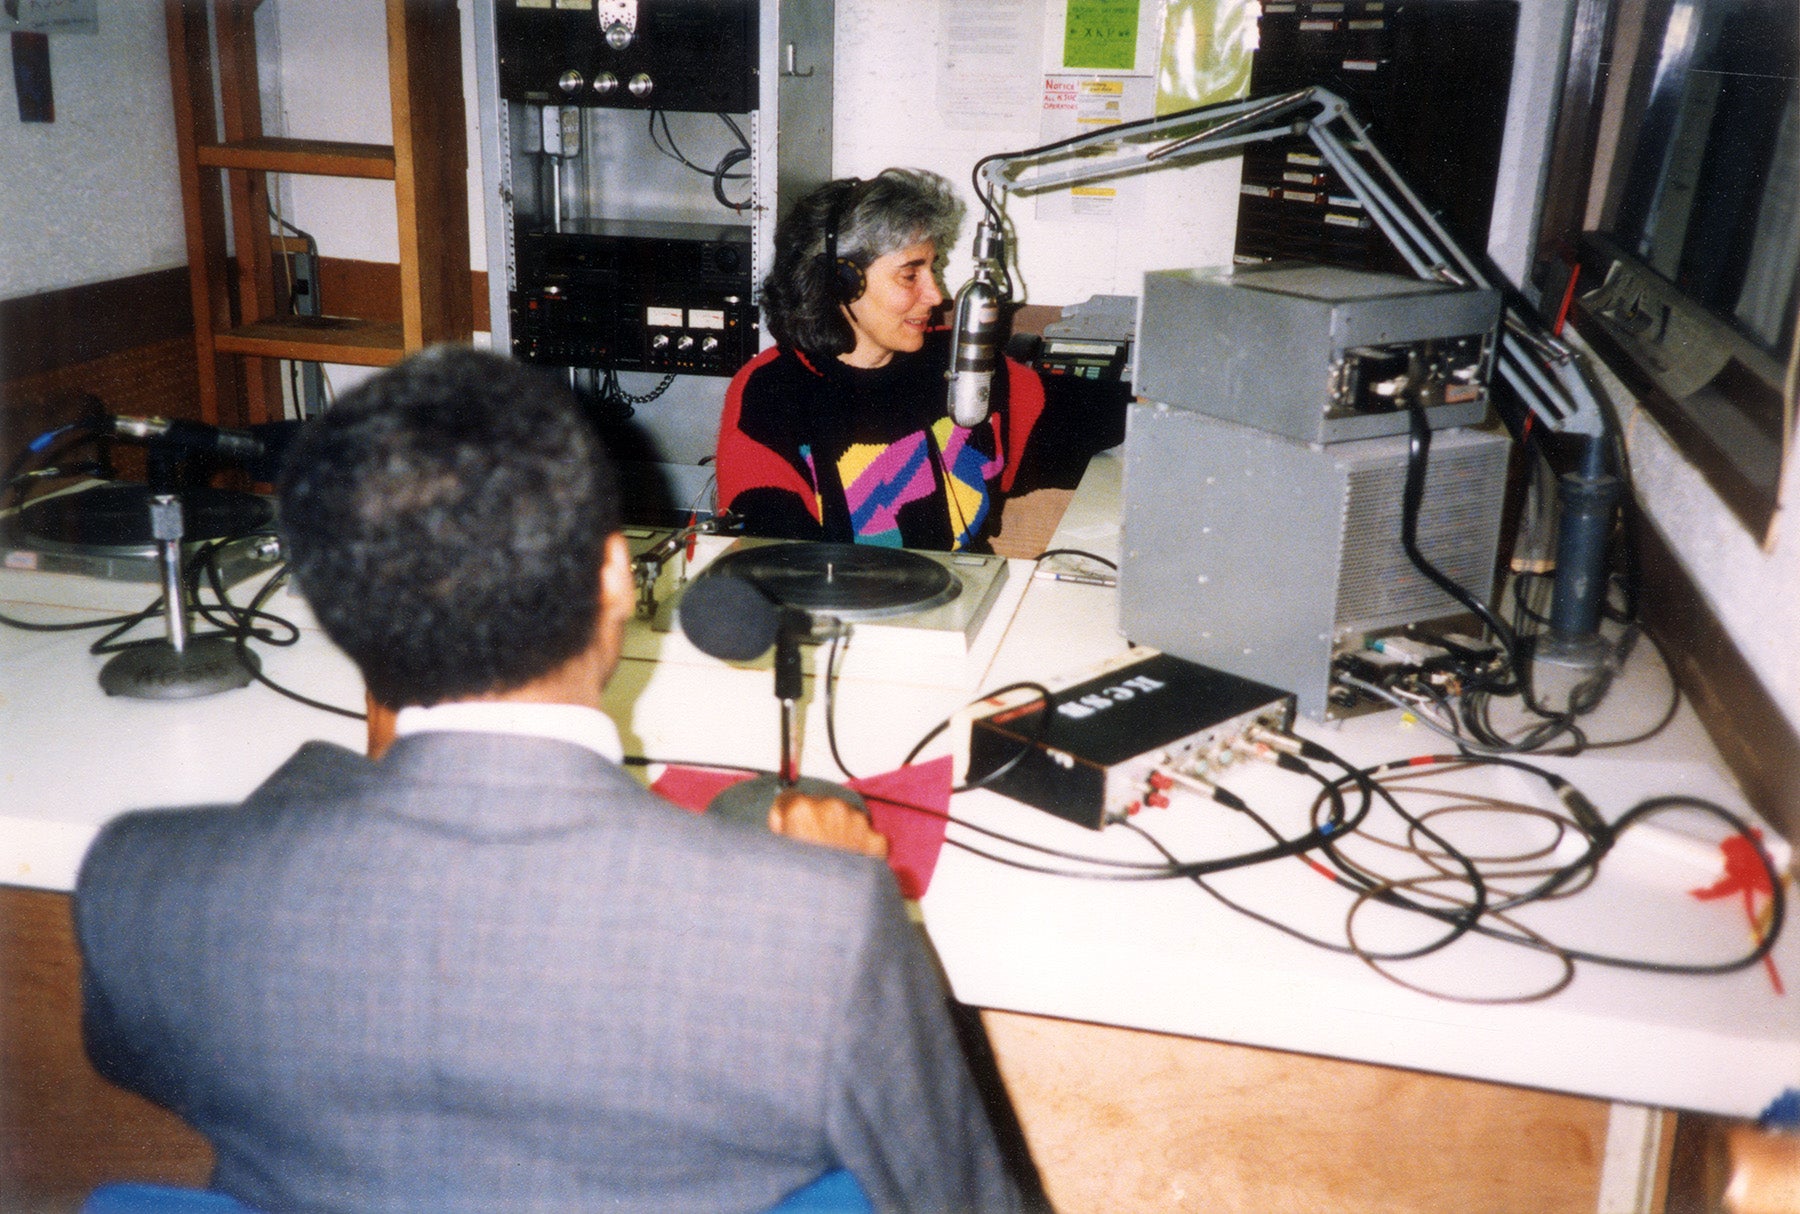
(1576, 652)
(204, 666)
(749, 800)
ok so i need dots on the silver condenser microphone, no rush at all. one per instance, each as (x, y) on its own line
(977, 328)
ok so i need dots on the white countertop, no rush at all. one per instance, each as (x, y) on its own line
(1158, 955)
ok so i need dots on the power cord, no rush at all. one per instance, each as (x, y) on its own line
(663, 139)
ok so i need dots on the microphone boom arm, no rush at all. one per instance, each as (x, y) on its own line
(1543, 371)
(1546, 375)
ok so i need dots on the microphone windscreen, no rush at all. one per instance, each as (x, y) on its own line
(728, 617)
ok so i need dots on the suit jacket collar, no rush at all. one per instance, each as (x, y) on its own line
(485, 784)
(570, 722)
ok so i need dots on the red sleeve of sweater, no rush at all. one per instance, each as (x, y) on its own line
(1024, 405)
(742, 463)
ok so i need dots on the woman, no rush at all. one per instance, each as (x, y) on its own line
(840, 431)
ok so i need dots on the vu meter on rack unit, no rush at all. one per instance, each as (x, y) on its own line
(635, 295)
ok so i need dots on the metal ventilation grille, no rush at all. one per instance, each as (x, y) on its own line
(1378, 586)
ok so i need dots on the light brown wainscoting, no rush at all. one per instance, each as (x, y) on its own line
(128, 342)
(63, 1129)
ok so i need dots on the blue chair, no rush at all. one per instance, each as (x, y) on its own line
(833, 1193)
(129, 1197)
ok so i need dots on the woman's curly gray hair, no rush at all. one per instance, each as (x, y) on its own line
(893, 210)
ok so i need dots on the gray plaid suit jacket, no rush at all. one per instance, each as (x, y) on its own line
(493, 972)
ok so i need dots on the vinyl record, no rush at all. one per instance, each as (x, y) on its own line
(850, 581)
(116, 515)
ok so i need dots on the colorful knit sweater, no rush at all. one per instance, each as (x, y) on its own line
(819, 450)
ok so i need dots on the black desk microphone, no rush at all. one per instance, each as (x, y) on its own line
(731, 619)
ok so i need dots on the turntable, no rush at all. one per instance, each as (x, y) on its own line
(939, 600)
(102, 530)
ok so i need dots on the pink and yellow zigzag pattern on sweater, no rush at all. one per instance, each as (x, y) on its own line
(880, 479)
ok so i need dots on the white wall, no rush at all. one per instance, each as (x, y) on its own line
(329, 81)
(325, 76)
(96, 194)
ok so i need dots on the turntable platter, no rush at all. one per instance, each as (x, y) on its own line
(850, 581)
(116, 517)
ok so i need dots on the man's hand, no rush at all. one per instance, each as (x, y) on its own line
(826, 821)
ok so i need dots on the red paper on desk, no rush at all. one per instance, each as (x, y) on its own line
(914, 838)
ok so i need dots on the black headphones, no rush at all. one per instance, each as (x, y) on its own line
(846, 276)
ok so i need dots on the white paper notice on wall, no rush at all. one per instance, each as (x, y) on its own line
(991, 52)
(1081, 105)
(50, 16)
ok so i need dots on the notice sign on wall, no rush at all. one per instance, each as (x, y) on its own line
(1085, 105)
(983, 80)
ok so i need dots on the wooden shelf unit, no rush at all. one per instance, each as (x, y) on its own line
(313, 156)
(242, 329)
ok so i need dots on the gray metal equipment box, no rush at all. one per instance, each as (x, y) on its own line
(1266, 557)
(1318, 353)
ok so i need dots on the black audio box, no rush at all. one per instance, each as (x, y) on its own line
(694, 55)
(1087, 754)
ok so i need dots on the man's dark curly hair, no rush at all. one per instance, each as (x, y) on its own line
(893, 210)
(447, 520)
